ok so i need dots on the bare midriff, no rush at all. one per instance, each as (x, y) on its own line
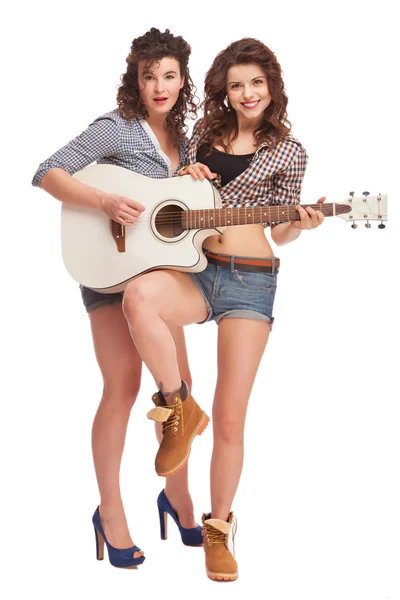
(242, 240)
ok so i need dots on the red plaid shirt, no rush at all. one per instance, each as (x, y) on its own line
(273, 176)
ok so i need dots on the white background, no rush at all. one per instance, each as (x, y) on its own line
(318, 503)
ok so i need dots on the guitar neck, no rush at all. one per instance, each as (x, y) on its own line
(228, 217)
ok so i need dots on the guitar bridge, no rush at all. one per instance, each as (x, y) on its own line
(118, 233)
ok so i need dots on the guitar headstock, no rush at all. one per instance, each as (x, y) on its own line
(366, 208)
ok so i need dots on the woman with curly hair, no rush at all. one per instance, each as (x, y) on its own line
(246, 139)
(146, 134)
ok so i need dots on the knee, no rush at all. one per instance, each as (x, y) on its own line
(140, 295)
(121, 389)
(228, 430)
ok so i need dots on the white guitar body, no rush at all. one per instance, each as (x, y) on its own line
(90, 252)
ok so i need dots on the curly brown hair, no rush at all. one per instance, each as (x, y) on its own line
(219, 124)
(153, 46)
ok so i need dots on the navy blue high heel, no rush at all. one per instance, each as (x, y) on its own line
(118, 557)
(190, 537)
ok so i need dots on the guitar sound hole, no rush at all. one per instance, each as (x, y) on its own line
(168, 221)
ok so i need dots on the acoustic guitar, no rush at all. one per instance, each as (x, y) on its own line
(179, 214)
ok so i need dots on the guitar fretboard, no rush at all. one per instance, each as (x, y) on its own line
(226, 217)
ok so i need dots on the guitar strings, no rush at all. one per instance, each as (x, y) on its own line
(176, 219)
(176, 216)
(242, 209)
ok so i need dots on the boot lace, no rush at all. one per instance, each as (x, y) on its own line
(215, 536)
(234, 529)
(175, 417)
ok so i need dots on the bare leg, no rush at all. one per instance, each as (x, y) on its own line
(241, 343)
(153, 303)
(121, 367)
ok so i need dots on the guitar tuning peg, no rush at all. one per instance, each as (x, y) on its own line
(381, 226)
(365, 193)
(351, 194)
(354, 225)
(368, 225)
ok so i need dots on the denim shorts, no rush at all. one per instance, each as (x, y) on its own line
(93, 300)
(236, 294)
(230, 294)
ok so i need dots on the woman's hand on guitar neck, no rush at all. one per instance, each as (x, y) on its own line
(197, 171)
(119, 208)
(309, 218)
(284, 233)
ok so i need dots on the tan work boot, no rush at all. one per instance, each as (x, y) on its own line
(181, 421)
(220, 564)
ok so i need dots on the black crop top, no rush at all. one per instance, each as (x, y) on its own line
(229, 166)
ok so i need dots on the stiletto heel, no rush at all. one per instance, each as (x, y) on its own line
(99, 545)
(119, 557)
(192, 536)
(163, 523)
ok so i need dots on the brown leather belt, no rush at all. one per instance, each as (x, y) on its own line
(264, 265)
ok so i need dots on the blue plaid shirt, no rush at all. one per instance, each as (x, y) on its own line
(113, 140)
(273, 177)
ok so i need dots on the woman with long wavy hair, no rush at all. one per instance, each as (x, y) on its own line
(244, 143)
(146, 133)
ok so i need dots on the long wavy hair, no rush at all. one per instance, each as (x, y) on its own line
(219, 124)
(152, 47)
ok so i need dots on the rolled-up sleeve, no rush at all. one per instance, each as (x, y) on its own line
(101, 139)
